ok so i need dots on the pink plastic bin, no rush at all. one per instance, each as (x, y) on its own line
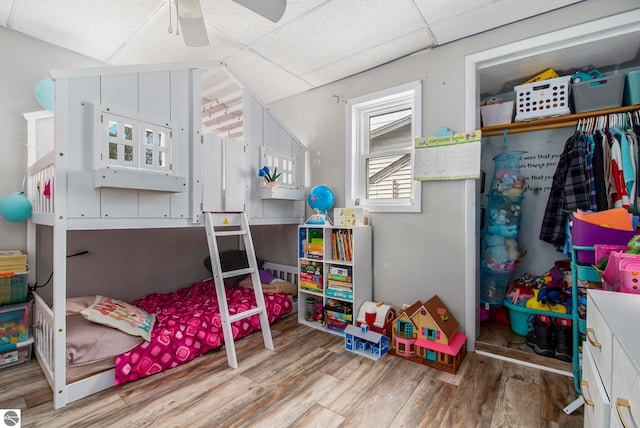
(630, 276)
(603, 251)
(588, 235)
(611, 277)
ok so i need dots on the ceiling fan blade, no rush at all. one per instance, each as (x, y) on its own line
(191, 23)
(270, 9)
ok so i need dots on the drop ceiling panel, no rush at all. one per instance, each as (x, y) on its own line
(440, 10)
(269, 81)
(245, 26)
(370, 58)
(154, 44)
(92, 28)
(5, 10)
(306, 45)
(492, 15)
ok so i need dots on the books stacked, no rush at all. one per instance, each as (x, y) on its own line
(340, 283)
(338, 315)
(311, 276)
(13, 261)
(315, 245)
(341, 245)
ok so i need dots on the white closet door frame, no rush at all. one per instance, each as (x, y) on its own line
(601, 29)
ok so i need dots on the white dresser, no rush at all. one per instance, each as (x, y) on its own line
(611, 360)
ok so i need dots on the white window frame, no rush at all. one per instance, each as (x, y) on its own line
(138, 144)
(286, 165)
(358, 112)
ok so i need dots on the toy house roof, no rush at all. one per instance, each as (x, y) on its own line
(437, 310)
(441, 316)
(409, 312)
(368, 335)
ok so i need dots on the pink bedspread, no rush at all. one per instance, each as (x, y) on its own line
(188, 325)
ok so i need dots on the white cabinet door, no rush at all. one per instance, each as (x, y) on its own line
(599, 342)
(625, 392)
(597, 405)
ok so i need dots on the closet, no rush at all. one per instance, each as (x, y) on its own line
(544, 140)
(612, 45)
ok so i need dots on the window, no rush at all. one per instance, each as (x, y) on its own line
(286, 168)
(381, 129)
(133, 144)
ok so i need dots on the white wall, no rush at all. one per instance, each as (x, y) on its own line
(417, 255)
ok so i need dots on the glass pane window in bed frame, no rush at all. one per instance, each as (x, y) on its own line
(131, 143)
(285, 167)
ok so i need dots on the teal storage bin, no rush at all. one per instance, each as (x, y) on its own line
(521, 318)
(632, 89)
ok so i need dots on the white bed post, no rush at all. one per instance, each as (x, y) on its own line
(60, 250)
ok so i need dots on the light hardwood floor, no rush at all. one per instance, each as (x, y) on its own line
(308, 381)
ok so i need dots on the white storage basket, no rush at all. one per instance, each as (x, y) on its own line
(542, 99)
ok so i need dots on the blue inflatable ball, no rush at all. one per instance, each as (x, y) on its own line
(44, 94)
(321, 198)
(15, 207)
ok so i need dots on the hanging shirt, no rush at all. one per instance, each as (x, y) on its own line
(620, 198)
(602, 200)
(569, 191)
(587, 141)
(626, 164)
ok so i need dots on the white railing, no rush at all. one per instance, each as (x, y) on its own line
(43, 336)
(40, 191)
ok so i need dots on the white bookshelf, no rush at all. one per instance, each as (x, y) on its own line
(333, 250)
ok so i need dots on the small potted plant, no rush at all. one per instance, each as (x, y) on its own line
(269, 177)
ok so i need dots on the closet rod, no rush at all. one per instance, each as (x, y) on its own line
(550, 122)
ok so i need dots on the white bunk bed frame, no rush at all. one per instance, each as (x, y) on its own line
(197, 103)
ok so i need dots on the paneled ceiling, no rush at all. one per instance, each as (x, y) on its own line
(316, 42)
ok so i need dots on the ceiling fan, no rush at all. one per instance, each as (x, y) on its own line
(192, 23)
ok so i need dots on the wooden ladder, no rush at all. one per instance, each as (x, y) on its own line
(235, 224)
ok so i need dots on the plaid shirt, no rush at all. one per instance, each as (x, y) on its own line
(569, 190)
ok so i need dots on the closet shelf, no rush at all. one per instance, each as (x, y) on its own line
(550, 122)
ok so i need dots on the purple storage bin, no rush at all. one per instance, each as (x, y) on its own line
(587, 235)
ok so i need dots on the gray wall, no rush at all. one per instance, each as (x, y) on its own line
(25, 61)
(417, 255)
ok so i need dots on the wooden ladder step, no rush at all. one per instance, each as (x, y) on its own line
(230, 232)
(238, 272)
(245, 314)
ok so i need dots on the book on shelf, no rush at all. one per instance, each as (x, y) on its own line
(341, 278)
(341, 245)
(337, 285)
(307, 266)
(13, 261)
(340, 270)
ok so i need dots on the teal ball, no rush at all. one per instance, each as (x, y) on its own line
(15, 207)
(45, 94)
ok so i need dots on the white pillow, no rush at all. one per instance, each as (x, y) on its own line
(123, 316)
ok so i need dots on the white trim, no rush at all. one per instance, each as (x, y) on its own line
(604, 28)
(354, 106)
(524, 363)
(129, 69)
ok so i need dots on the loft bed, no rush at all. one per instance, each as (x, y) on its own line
(135, 147)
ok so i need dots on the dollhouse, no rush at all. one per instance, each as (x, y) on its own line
(427, 333)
